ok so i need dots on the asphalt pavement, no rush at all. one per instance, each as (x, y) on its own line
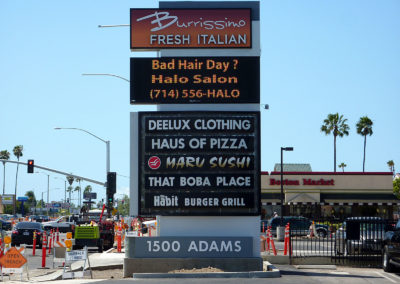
(324, 274)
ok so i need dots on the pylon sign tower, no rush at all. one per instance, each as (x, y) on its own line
(197, 159)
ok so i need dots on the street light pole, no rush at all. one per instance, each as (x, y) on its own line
(105, 74)
(282, 208)
(105, 141)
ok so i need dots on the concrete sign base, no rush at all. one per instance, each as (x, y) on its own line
(164, 265)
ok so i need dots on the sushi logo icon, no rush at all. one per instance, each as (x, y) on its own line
(154, 163)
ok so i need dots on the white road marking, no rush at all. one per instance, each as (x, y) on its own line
(340, 272)
(395, 276)
(384, 276)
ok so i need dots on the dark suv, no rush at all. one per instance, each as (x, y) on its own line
(299, 226)
(391, 249)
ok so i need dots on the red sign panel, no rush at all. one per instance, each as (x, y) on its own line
(190, 28)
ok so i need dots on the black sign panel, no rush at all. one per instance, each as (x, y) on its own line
(181, 80)
(199, 163)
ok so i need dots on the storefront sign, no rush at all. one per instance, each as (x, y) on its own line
(182, 80)
(304, 181)
(190, 247)
(7, 199)
(199, 163)
(190, 28)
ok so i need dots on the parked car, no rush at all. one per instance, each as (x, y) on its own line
(5, 225)
(62, 223)
(42, 218)
(299, 226)
(23, 233)
(360, 235)
(391, 249)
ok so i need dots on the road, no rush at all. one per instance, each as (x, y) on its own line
(290, 274)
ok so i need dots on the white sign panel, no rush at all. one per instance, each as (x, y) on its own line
(75, 255)
(12, 270)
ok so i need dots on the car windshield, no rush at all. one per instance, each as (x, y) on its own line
(29, 225)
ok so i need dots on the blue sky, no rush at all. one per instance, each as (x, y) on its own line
(318, 57)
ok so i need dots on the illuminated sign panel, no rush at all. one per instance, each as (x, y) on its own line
(199, 163)
(190, 28)
(181, 80)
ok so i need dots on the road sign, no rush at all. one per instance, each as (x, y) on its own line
(8, 199)
(13, 259)
(75, 255)
(90, 195)
(22, 198)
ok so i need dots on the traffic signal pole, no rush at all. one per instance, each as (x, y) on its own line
(56, 171)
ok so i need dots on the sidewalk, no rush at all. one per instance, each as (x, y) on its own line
(98, 261)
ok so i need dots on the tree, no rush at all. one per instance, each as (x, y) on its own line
(78, 180)
(78, 189)
(396, 187)
(4, 155)
(391, 166)
(336, 124)
(70, 179)
(17, 153)
(31, 199)
(87, 189)
(364, 128)
(342, 166)
(123, 205)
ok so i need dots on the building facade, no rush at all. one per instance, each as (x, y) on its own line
(329, 194)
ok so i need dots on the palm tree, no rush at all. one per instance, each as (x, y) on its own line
(69, 190)
(17, 153)
(364, 128)
(78, 189)
(70, 180)
(337, 125)
(391, 166)
(79, 192)
(87, 189)
(4, 155)
(342, 166)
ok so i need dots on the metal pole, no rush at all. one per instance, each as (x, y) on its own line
(107, 158)
(48, 191)
(281, 186)
(65, 191)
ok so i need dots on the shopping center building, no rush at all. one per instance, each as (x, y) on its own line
(328, 194)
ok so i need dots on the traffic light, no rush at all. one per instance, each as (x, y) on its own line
(31, 166)
(111, 183)
(111, 187)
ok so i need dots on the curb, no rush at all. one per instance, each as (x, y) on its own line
(310, 266)
(251, 274)
(109, 250)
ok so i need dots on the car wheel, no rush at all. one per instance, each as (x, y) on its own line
(321, 233)
(387, 266)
